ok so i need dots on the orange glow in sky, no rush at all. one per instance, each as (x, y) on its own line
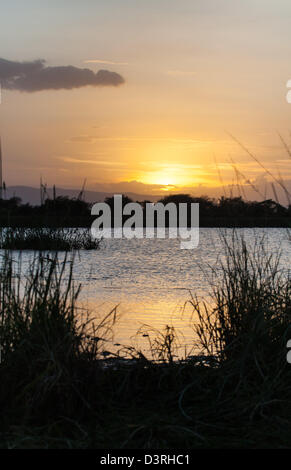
(191, 71)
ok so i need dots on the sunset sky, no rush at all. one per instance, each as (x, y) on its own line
(189, 72)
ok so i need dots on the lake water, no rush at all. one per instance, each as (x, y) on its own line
(151, 279)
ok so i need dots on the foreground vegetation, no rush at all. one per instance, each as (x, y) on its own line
(60, 387)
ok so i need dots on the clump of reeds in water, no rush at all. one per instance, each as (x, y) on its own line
(43, 238)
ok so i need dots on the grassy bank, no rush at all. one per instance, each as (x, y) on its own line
(57, 391)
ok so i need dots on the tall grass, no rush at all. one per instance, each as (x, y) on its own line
(48, 345)
(57, 390)
(250, 312)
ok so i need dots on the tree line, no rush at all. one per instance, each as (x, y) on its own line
(224, 211)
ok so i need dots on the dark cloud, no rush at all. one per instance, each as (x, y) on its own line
(36, 76)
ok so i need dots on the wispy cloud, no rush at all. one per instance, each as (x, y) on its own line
(172, 140)
(83, 139)
(181, 73)
(92, 162)
(106, 62)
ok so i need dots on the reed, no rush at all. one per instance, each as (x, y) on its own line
(43, 238)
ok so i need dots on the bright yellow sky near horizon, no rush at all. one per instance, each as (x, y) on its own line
(194, 72)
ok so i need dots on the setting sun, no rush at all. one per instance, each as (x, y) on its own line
(163, 178)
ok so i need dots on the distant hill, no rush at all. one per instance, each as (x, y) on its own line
(32, 195)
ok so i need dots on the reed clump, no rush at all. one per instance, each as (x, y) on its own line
(47, 239)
